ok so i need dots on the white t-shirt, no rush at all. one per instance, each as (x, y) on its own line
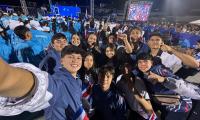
(39, 99)
(170, 61)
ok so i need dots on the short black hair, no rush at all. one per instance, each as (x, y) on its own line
(144, 56)
(21, 31)
(136, 28)
(105, 69)
(57, 36)
(156, 34)
(70, 49)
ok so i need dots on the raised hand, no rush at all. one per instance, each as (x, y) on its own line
(122, 37)
(166, 48)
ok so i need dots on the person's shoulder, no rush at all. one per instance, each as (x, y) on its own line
(114, 89)
(58, 76)
(170, 57)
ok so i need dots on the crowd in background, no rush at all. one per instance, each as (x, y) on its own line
(130, 70)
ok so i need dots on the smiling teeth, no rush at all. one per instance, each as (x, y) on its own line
(74, 65)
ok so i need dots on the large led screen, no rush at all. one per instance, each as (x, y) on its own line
(139, 11)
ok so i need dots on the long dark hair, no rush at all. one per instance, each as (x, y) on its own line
(88, 54)
(91, 71)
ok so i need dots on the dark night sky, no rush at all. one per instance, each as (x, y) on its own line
(69, 2)
(183, 6)
(158, 3)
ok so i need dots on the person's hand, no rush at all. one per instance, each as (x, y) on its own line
(97, 49)
(138, 97)
(122, 37)
(155, 78)
(166, 48)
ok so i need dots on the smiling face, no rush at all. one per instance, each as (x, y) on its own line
(144, 65)
(110, 52)
(155, 42)
(92, 39)
(135, 35)
(72, 63)
(88, 62)
(76, 40)
(111, 39)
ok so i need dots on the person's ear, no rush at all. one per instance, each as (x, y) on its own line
(61, 61)
(162, 43)
(136, 65)
(52, 45)
(28, 35)
(148, 42)
(152, 63)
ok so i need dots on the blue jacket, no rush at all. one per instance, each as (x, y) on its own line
(25, 51)
(51, 61)
(43, 38)
(66, 102)
(5, 50)
(18, 46)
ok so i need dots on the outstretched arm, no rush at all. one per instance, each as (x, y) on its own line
(177, 85)
(183, 88)
(14, 82)
(186, 59)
